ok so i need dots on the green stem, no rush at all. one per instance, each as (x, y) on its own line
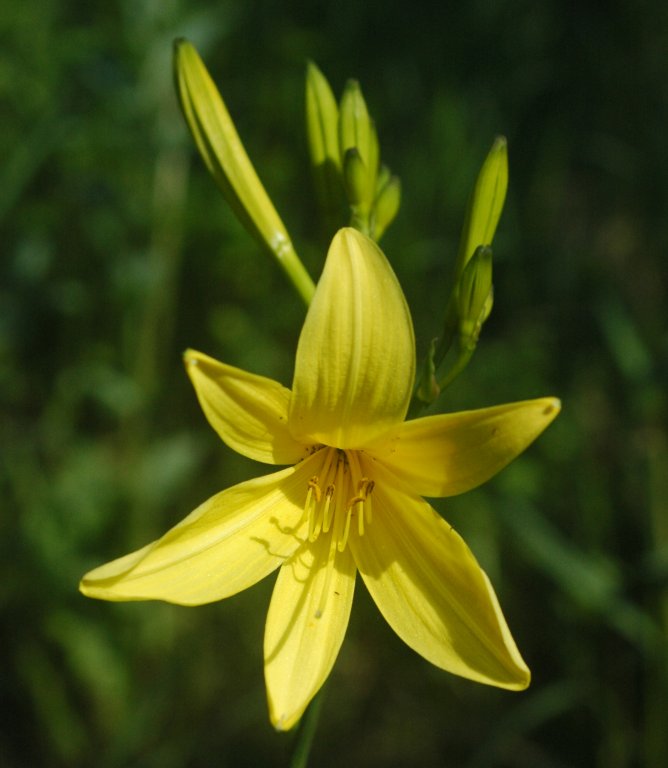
(359, 219)
(448, 335)
(417, 404)
(656, 662)
(416, 407)
(296, 272)
(306, 732)
(438, 354)
(462, 361)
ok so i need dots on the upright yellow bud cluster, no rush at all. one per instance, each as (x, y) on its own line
(345, 157)
(354, 188)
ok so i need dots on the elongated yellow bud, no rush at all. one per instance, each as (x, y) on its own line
(322, 131)
(428, 389)
(357, 133)
(354, 122)
(386, 206)
(355, 178)
(225, 157)
(485, 204)
(474, 296)
(322, 119)
(382, 177)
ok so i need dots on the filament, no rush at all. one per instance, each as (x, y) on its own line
(336, 495)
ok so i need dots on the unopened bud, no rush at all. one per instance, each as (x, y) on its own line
(322, 130)
(354, 121)
(486, 203)
(322, 119)
(355, 178)
(386, 206)
(429, 389)
(474, 296)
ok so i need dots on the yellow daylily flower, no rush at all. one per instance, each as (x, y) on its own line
(350, 501)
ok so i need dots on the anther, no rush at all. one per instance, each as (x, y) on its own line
(313, 485)
(364, 488)
(368, 506)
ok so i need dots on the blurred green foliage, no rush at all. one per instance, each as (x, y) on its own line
(117, 253)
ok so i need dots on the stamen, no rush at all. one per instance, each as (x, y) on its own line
(344, 493)
(367, 506)
(328, 511)
(343, 540)
(311, 507)
(327, 465)
(360, 502)
(339, 508)
(313, 485)
(364, 487)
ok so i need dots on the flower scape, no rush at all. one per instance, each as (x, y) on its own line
(350, 500)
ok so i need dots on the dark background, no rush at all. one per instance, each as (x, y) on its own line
(117, 253)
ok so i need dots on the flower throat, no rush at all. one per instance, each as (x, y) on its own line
(336, 496)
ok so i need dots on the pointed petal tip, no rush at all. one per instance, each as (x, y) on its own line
(525, 682)
(190, 356)
(517, 676)
(350, 235)
(99, 590)
(306, 624)
(284, 719)
(283, 722)
(550, 408)
(514, 679)
(521, 683)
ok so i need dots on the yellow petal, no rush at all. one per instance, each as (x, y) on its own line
(355, 358)
(230, 542)
(432, 592)
(306, 624)
(249, 412)
(455, 452)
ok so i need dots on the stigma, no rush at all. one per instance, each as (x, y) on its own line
(338, 497)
